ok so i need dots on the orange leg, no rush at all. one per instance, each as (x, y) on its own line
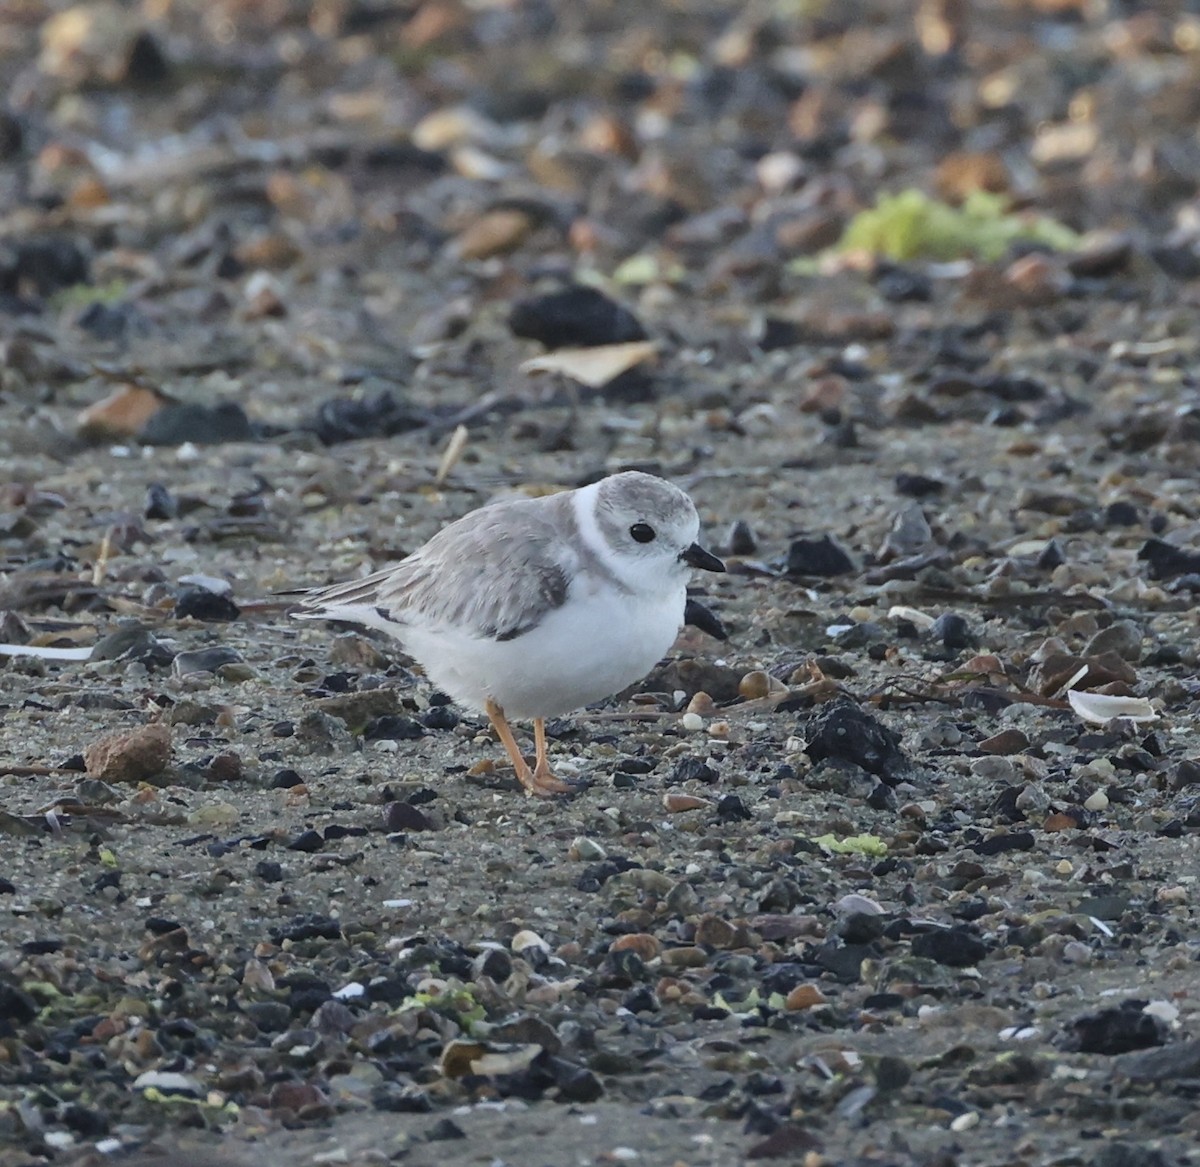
(540, 782)
(543, 778)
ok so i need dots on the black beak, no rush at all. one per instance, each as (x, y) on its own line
(696, 556)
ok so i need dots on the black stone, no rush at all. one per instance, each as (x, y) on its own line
(439, 717)
(308, 927)
(1167, 560)
(444, 1129)
(731, 809)
(575, 316)
(16, 1005)
(269, 871)
(1127, 1155)
(999, 844)
(901, 284)
(45, 264)
(403, 816)
(692, 770)
(918, 485)
(201, 604)
(956, 947)
(160, 502)
(822, 557)
(1119, 1030)
(393, 729)
(953, 631)
(307, 841)
(202, 425)
(346, 419)
(1121, 514)
(842, 732)
(783, 977)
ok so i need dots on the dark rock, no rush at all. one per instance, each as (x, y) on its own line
(695, 676)
(269, 871)
(1172, 1063)
(44, 265)
(844, 961)
(201, 604)
(107, 321)
(1126, 1155)
(861, 927)
(1166, 560)
(731, 809)
(821, 557)
(953, 631)
(205, 660)
(843, 732)
(1117, 1031)
(403, 816)
(16, 1005)
(133, 643)
(1000, 843)
(741, 539)
(392, 728)
(146, 65)
(776, 333)
(575, 316)
(307, 841)
(1051, 556)
(918, 485)
(692, 770)
(788, 1141)
(160, 502)
(892, 1072)
(443, 1130)
(955, 947)
(347, 419)
(439, 717)
(269, 1016)
(901, 284)
(1121, 514)
(202, 425)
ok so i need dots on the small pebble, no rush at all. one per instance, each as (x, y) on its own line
(1096, 801)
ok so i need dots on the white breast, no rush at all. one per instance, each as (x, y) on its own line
(595, 645)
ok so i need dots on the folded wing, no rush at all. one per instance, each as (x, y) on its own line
(494, 574)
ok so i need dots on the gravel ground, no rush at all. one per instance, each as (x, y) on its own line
(903, 870)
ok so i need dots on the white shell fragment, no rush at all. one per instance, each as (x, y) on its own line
(45, 653)
(1100, 708)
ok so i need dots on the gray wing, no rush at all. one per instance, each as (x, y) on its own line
(493, 574)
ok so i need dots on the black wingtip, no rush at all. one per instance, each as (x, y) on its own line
(698, 616)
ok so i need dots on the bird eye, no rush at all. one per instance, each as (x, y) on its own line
(642, 532)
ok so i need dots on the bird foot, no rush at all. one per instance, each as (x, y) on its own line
(541, 783)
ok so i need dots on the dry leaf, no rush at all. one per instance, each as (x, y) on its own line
(593, 367)
(122, 414)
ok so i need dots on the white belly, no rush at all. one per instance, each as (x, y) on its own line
(592, 647)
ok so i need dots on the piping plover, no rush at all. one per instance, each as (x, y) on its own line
(535, 607)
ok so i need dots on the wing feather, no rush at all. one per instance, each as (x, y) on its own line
(493, 574)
